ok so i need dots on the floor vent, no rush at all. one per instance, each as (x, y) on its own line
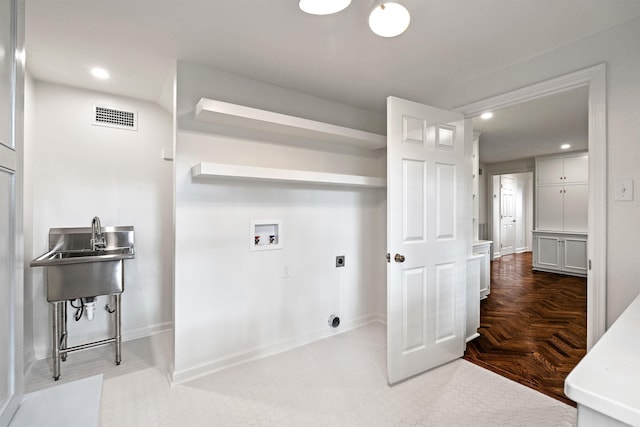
(115, 118)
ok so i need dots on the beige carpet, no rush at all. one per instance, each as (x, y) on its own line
(339, 381)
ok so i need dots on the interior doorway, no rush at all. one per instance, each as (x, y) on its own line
(512, 200)
(594, 80)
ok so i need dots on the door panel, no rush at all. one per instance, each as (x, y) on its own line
(445, 201)
(414, 295)
(548, 251)
(550, 171)
(575, 255)
(550, 208)
(414, 172)
(576, 169)
(576, 205)
(425, 196)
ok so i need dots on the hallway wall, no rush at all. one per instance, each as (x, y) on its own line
(617, 47)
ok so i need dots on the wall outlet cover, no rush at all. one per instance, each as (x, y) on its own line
(623, 190)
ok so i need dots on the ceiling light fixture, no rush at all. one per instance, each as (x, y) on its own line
(323, 7)
(389, 18)
(486, 116)
(565, 146)
(99, 73)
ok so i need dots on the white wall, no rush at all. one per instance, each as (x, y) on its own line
(232, 304)
(617, 47)
(78, 171)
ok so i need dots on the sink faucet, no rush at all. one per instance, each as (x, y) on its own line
(97, 238)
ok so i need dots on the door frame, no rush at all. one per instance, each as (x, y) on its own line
(594, 78)
(528, 214)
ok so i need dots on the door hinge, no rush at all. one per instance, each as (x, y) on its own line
(589, 265)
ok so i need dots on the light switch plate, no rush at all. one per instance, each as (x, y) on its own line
(623, 190)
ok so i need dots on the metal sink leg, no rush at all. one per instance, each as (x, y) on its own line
(118, 330)
(56, 341)
(65, 334)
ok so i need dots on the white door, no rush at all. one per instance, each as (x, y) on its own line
(10, 330)
(507, 215)
(428, 236)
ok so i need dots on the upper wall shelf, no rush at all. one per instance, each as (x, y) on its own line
(224, 113)
(218, 170)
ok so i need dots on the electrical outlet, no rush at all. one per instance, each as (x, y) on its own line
(286, 271)
(340, 261)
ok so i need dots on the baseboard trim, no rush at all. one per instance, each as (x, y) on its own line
(184, 375)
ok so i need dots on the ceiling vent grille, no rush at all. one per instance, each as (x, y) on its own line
(115, 118)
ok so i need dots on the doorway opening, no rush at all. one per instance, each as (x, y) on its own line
(594, 79)
(512, 207)
(502, 222)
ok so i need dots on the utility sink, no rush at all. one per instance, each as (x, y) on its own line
(78, 256)
(78, 267)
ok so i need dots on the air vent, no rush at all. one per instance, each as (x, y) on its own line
(115, 118)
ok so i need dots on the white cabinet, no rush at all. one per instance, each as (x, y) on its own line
(562, 192)
(560, 252)
(562, 201)
(561, 170)
(563, 207)
(483, 248)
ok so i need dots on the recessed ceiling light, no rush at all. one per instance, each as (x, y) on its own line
(486, 116)
(323, 7)
(99, 73)
(565, 146)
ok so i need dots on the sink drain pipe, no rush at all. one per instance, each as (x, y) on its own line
(89, 307)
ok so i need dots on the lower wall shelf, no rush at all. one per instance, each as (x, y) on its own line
(219, 170)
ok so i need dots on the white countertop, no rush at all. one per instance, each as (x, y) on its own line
(606, 379)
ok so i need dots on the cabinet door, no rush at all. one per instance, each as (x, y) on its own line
(576, 205)
(550, 209)
(547, 253)
(576, 169)
(575, 255)
(550, 171)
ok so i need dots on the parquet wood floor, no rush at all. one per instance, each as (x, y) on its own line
(533, 326)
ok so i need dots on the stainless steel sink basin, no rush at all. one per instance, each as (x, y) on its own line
(75, 269)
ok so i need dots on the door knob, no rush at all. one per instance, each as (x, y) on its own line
(388, 257)
(398, 258)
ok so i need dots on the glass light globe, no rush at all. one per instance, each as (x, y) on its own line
(389, 19)
(323, 7)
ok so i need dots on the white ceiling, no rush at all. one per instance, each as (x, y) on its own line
(535, 128)
(335, 57)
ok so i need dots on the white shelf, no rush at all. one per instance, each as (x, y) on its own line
(224, 113)
(218, 170)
